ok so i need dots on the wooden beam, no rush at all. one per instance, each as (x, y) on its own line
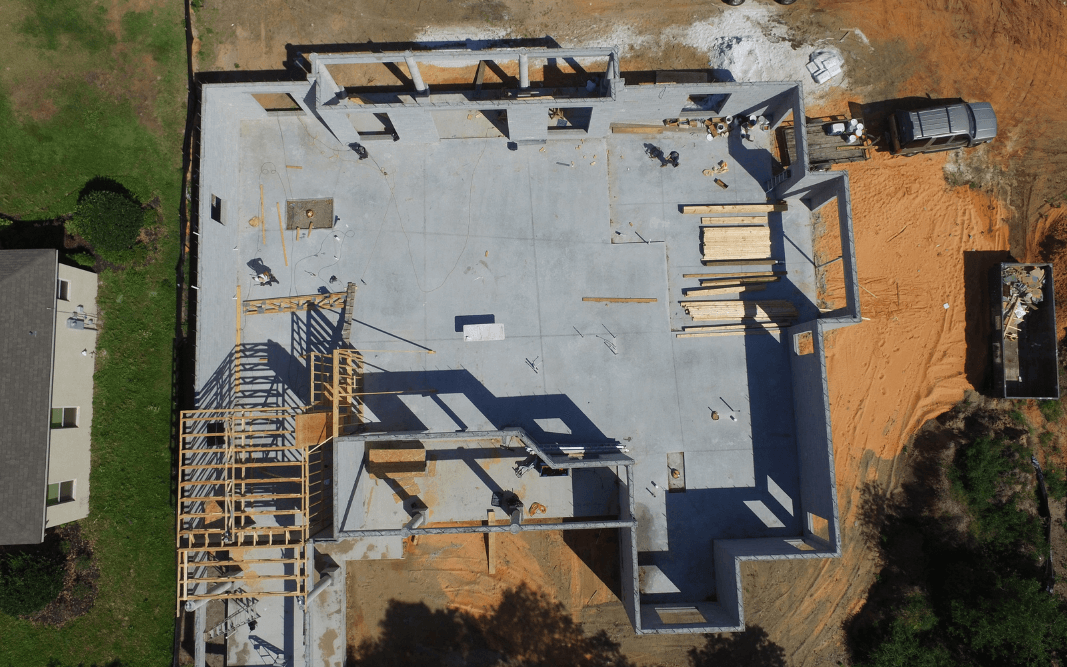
(735, 208)
(288, 304)
(725, 289)
(738, 262)
(607, 299)
(237, 348)
(281, 231)
(738, 220)
(753, 274)
(262, 221)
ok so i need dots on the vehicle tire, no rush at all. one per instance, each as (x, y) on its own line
(785, 2)
(734, 3)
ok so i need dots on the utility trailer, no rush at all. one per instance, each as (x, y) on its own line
(1025, 363)
(824, 149)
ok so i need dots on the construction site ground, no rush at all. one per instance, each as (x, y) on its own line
(925, 227)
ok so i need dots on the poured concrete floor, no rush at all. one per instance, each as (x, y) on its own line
(468, 231)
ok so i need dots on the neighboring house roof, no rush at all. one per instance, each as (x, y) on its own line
(27, 331)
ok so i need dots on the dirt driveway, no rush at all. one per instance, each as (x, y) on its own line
(916, 230)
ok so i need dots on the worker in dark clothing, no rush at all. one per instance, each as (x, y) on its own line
(672, 159)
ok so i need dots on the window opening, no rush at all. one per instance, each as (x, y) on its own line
(64, 417)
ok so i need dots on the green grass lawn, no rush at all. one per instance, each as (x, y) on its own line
(115, 109)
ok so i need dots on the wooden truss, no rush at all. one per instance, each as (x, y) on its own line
(242, 506)
(337, 387)
(288, 304)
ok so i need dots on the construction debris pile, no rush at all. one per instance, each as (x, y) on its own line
(1020, 293)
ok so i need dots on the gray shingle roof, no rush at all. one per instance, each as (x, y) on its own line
(27, 304)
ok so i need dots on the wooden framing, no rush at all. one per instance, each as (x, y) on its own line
(233, 504)
(288, 304)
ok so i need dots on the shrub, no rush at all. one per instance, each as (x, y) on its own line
(909, 640)
(1051, 410)
(1017, 624)
(1018, 417)
(980, 472)
(110, 222)
(28, 582)
(1056, 483)
(85, 259)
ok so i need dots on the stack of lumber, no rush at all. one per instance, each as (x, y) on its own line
(756, 311)
(712, 284)
(737, 317)
(736, 242)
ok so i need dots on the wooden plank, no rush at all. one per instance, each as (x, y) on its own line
(730, 289)
(621, 128)
(712, 282)
(262, 222)
(608, 299)
(735, 208)
(738, 262)
(724, 276)
(281, 230)
(237, 347)
(746, 332)
(738, 220)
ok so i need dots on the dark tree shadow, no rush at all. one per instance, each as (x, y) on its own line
(524, 628)
(104, 184)
(922, 546)
(752, 648)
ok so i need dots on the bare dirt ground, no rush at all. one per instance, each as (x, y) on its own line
(923, 234)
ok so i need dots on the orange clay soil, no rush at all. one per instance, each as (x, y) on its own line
(888, 375)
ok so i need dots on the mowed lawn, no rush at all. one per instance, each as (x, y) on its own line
(92, 88)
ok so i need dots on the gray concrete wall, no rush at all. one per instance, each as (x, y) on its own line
(815, 447)
(631, 599)
(819, 189)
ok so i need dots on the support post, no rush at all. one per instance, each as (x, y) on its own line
(199, 628)
(524, 71)
(413, 70)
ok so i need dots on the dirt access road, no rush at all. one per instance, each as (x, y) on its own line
(920, 229)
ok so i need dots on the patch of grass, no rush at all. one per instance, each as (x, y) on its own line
(46, 164)
(96, 132)
(52, 22)
(1019, 418)
(154, 34)
(1051, 410)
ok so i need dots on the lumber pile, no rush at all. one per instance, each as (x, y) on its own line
(758, 311)
(728, 242)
